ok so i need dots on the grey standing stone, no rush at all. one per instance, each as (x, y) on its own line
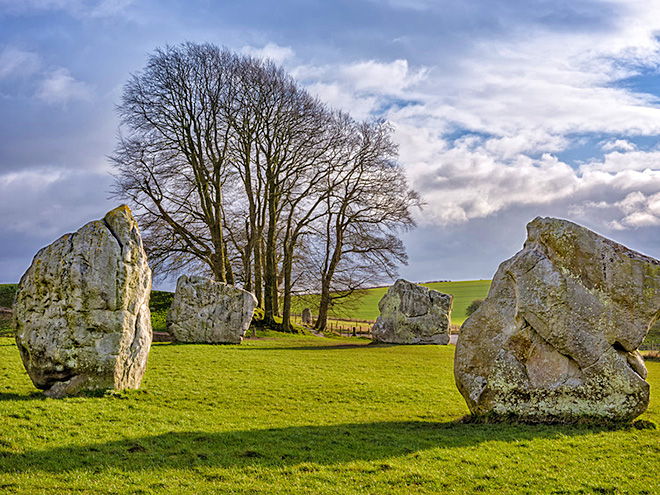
(210, 312)
(307, 316)
(412, 314)
(81, 314)
(556, 339)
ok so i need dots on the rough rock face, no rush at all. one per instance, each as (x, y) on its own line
(209, 312)
(557, 336)
(81, 314)
(412, 314)
(307, 316)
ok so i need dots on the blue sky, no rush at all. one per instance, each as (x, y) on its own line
(504, 109)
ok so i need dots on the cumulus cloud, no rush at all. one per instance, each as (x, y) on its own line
(486, 135)
(618, 144)
(384, 78)
(276, 53)
(59, 87)
(468, 181)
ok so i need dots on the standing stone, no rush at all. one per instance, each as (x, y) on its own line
(81, 314)
(412, 314)
(556, 339)
(209, 312)
(307, 316)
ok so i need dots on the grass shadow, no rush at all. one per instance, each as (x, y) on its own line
(277, 447)
(35, 395)
(327, 347)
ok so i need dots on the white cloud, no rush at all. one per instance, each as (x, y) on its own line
(384, 78)
(366, 76)
(339, 96)
(618, 161)
(276, 53)
(59, 87)
(618, 144)
(15, 62)
(483, 136)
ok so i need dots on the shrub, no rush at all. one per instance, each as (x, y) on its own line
(473, 306)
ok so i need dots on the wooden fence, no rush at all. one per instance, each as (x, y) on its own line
(351, 327)
(347, 327)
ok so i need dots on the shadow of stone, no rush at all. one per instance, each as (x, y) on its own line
(329, 347)
(278, 447)
(35, 395)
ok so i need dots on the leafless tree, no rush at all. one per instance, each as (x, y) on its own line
(172, 156)
(232, 166)
(370, 202)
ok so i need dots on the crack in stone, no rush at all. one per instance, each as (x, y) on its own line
(112, 232)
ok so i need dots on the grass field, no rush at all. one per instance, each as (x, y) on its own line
(302, 415)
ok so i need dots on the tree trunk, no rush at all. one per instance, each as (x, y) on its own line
(247, 259)
(229, 273)
(324, 305)
(258, 272)
(218, 267)
(326, 278)
(287, 268)
(270, 282)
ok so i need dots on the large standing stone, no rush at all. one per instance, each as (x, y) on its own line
(556, 339)
(209, 312)
(81, 314)
(412, 314)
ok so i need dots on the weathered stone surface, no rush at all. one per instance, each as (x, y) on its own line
(557, 336)
(209, 312)
(412, 314)
(81, 314)
(307, 316)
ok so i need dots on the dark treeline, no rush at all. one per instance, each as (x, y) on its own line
(238, 172)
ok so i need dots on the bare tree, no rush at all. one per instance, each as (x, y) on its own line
(232, 166)
(172, 154)
(369, 204)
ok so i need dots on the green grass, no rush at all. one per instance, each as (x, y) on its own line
(366, 307)
(302, 415)
(159, 302)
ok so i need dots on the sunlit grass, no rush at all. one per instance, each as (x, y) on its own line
(301, 415)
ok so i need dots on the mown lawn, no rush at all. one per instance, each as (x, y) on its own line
(301, 415)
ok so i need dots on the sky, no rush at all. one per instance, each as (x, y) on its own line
(503, 110)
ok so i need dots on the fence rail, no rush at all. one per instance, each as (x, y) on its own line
(346, 327)
(351, 327)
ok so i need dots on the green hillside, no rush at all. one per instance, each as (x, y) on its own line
(366, 307)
